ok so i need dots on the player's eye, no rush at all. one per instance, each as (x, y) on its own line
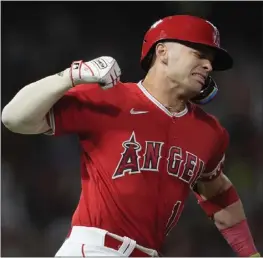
(203, 55)
(199, 55)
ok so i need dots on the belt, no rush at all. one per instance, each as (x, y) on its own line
(116, 242)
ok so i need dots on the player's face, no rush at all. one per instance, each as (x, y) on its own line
(188, 67)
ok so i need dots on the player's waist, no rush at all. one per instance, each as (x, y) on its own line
(99, 237)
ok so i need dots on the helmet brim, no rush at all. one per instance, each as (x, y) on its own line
(222, 59)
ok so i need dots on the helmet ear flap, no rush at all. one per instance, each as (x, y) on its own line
(207, 93)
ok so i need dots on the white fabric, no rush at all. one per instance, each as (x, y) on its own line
(131, 246)
(25, 113)
(127, 246)
(103, 70)
(89, 241)
(76, 249)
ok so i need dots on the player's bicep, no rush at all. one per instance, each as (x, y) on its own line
(210, 174)
(43, 127)
(40, 127)
(215, 165)
(209, 189)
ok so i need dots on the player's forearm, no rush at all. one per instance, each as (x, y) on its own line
(26, 112)
(229, 216)
(232, 224)
(227, 211)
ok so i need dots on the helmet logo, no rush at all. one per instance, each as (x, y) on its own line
(216, 36)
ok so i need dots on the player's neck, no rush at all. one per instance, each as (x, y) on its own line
(167, 95)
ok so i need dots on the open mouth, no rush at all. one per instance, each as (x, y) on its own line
(200, 77)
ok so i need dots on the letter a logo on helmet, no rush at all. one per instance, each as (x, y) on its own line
(189, 30)
(216, 35)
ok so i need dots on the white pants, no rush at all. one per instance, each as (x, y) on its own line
(89, 241)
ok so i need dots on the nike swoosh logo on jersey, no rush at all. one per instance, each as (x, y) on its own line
(137, 112)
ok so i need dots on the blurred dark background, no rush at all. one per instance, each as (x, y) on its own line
(40, 174)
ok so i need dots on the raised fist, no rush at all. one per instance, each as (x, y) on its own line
(102, 70)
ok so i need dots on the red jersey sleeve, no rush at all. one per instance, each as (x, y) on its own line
(215, 165)
(72, 113)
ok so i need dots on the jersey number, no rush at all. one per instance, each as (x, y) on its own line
(174, 217)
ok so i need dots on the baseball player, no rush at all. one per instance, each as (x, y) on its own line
(145, 145)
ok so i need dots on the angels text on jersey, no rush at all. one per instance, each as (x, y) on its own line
(179, 163)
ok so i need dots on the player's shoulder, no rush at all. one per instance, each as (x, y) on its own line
(208, 120)
(88, 92)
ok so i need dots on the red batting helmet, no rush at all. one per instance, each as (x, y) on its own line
(189, 30)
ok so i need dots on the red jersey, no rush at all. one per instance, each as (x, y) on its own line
(139, 161)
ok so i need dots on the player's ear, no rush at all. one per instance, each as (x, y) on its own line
(161, 52)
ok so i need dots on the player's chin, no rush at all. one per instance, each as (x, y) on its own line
(196, 87)
(194, 90)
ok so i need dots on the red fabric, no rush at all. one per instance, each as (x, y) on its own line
(240, 239)
(215, 165)
(219, 202)
(137, 170)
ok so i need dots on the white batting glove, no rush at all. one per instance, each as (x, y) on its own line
(103, 70)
